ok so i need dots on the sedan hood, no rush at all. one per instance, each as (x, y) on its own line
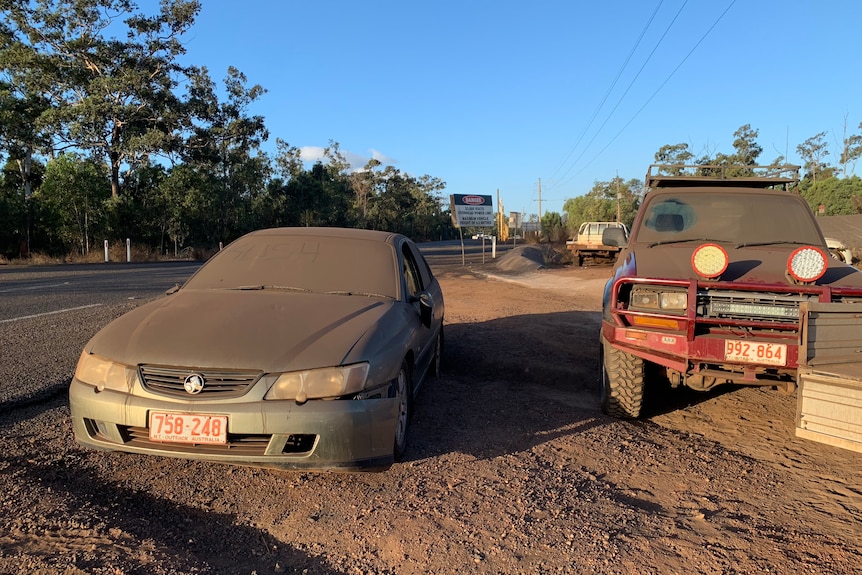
(751, 265)
(261, 330)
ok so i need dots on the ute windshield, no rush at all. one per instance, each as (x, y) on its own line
(727, 217)
(319, 264)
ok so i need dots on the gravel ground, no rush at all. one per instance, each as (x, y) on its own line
(511, 468)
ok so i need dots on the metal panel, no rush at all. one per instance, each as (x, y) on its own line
(830, 409)
(832, 335)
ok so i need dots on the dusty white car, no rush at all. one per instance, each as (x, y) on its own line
(839, 250)
(293, 348)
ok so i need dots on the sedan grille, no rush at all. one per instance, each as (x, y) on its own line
(217, 383)
(248, 445)
(749, 306)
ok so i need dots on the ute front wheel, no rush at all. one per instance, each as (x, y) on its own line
(622, 382)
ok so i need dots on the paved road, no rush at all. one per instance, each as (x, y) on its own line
(28, 292)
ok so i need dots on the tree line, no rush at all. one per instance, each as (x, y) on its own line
(105, 135)
(829, 189)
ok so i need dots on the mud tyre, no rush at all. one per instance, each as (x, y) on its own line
(622, 382)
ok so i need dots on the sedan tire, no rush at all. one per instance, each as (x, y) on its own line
(404, 393)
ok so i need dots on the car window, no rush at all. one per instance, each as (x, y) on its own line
(736, 217)
(314, 263)
(422, 265)
(411, 272)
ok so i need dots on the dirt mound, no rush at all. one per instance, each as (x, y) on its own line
(524, 259)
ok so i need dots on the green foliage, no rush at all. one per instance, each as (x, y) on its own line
(71, 203)
(113, 98)
(553, 228)
(602, 202)
(839, 196)
(13, 212)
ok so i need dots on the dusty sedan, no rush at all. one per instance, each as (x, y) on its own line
(293, 348)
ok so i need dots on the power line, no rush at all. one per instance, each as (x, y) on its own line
(674, 71)
(609, 90)
(619, 101)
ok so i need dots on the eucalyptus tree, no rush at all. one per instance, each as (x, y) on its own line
(406, 204)
(851, 150)
(604, 202)
(224, 140)
(71, 201)
(111, 97)
(364, 184)
(677, 155)
(813, 152)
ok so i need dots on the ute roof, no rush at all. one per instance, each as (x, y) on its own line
(783, 177)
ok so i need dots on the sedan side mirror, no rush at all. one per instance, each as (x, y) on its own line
(426, 308)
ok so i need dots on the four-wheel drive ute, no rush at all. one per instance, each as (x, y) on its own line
(709, 284)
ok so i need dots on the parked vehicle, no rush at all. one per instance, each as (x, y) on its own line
(839, 250)
(709, 286)
(293, 348)
(588, 246)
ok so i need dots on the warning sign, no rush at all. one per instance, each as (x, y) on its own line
(472, 211)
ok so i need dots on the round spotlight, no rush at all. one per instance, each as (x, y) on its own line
(807, 264)
(709, 260)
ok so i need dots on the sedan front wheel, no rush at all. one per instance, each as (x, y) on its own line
(403, 392)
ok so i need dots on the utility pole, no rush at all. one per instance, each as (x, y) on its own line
(540, 203)
(617, 182)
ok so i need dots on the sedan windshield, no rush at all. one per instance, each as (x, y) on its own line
(318, 264)
(733, 217)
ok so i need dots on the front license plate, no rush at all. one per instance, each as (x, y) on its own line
(755, 352)
(188, 427)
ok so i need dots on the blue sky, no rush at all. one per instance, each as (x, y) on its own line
(492, 96)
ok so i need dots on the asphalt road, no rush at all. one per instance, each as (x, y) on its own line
(31, 292)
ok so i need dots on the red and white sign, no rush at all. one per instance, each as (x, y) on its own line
(188, 427)
(472, 211)
(755, 352)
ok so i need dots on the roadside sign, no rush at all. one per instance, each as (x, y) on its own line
(469, 210)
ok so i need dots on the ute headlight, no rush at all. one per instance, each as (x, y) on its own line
(673, 300)
(329, 382)
(643, 297)
(709, 260)
(807, 264)
(104, 374)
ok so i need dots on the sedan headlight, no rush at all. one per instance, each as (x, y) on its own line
(329, 382)
(104, 374)
(654, 298)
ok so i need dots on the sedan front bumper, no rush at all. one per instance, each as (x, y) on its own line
(317, 435)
